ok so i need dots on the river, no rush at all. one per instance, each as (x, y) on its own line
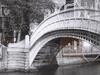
(83, 69)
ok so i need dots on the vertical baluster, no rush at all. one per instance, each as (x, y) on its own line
(97, 8)
(96, 4)
(86, 12)
(77, 4)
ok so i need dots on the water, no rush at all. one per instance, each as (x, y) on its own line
(86, 69)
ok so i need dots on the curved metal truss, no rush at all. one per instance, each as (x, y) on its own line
(93, 38)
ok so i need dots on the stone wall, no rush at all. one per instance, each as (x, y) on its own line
(3, 59)
(14, 59)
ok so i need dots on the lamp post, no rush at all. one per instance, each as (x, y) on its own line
(5, 13)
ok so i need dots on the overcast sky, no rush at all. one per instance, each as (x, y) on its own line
(59, 2)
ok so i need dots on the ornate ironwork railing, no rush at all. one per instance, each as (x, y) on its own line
(85, 19)
(71, 13)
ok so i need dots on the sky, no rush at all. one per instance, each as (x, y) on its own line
(59, 2)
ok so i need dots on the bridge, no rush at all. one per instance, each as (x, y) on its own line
(82, 24)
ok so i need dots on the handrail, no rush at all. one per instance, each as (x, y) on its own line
(64, 11)
(65, 20)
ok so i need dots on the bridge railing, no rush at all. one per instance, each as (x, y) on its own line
(66, 15)
(71, 13)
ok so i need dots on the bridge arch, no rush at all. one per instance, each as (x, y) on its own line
(59, 34)
(67, 20)
(67, 23)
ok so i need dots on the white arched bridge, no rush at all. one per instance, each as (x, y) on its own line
(78, 24)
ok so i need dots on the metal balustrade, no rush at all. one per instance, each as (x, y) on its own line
(67, 20)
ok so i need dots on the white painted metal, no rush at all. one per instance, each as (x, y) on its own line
(67, 19)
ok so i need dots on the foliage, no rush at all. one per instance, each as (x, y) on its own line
(22, 12)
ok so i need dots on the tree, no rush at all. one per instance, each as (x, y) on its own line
(22, 12)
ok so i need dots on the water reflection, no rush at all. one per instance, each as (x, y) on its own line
(86, 69)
